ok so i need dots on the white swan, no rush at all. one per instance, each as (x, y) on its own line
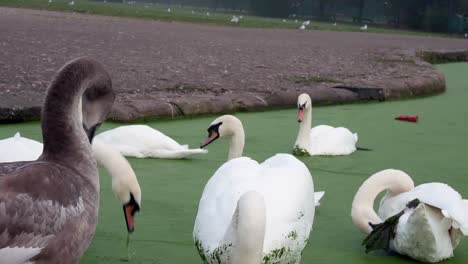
(124, 181)
(250, 212)
(425, 222)
(322, 139)
(235, 19)
(18, 148)
(125, 184)
(142, 141)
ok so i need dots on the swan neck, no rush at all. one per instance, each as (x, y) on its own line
(362, 212)
(111, 160)
(250, 233)
(303, 137)
(236, 146)
(62, 125)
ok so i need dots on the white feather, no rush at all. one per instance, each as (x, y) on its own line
(18, 255)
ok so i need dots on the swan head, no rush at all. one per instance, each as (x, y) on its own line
(128, 191)
(303, 103)
(223, 126)
(96, 104)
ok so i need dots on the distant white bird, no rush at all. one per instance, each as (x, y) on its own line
(235, 19)
(364, 27)
(169, 10)
(241, 17)
(302, 27)
(334, 24)
(284, 20)
(295, 21)
(207, 13)
(306, 23)
(50, 1)
(193, 12)
(466, 35)
(72, 3)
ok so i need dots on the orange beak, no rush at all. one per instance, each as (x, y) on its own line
(211, 137)
(129, 211)
(300, 114)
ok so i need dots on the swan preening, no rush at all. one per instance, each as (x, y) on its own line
(322, 139)
(124, 181)
(49, 207)
(425, 222)
(141, 141)
(243, 196)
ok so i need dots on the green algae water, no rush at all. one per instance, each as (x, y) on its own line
(431, 150)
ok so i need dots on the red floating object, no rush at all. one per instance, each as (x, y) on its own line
(413, 119)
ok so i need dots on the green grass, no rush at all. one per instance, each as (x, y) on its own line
(431, 150)
(159, 12)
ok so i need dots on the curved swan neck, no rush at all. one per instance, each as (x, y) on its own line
(236, 146)
(112, 160)
(303, 137)
(362, 212)
(62, 125)
(250, 233)
(118, 168)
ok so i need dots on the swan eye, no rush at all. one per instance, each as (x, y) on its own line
(214, 128)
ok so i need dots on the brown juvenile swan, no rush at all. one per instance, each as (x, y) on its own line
(49, 207)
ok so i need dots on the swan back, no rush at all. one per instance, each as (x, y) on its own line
(289, 199)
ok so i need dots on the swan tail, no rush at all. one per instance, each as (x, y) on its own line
(17, 135)
(363, 149)
(317, 197)
(251, 223)
(188, 152)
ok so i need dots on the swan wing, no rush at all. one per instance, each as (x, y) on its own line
(327, 140)
(438, 195)
(219, 199)
(18, 148)
(29, 217)
(18, 255)
(317, 197)
(287, 186)
(448, 200)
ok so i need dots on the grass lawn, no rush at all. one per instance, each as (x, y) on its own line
(184, 14)
(431, 150)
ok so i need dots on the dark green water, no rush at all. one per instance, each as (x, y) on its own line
(431, 150)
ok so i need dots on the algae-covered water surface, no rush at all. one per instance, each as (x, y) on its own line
(430, 150)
